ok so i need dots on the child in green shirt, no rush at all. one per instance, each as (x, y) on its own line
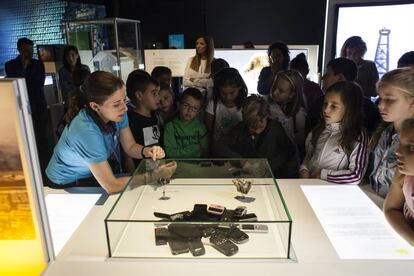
(186, 136)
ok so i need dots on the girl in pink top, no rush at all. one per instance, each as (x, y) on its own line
(399, 203)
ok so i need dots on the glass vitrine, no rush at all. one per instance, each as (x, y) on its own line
(108, 44)
(212, 208)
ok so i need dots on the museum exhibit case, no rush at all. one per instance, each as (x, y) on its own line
(109, 44)
(25, 242)
(211, 208)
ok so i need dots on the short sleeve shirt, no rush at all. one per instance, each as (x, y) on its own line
(82, 143)
(225, 119)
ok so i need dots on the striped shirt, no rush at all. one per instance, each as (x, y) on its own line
(328, 156)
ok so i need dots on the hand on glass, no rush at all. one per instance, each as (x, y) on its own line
(154, 152)
(166, 171)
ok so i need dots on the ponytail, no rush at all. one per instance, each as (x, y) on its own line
(76, 101)
(98, 87)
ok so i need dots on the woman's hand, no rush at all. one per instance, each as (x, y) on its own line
(154, 152)
(166, 170)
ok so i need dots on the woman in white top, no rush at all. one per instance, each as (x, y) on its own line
(198, 69)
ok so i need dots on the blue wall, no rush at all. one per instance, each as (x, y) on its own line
(38, 20)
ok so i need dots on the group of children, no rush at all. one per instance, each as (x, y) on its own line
(334, 145)
(339, 136)
(333, 148)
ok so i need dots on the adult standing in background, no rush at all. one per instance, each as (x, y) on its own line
(198, 69)
(71, 62)
(33, 70)
(278, 54)
(354, 48)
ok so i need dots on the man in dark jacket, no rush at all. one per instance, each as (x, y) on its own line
(33, 70)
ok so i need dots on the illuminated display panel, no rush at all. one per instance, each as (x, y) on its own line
(21, 243)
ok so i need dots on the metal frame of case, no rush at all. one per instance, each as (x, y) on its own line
(70, 25)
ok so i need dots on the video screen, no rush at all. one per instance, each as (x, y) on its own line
(249, 63)
(367, 21)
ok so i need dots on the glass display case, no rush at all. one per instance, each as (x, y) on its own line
(109, 44)
(205, 208)
(200, 208)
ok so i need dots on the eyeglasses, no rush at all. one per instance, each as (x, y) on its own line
(119, 105)
(190, 108)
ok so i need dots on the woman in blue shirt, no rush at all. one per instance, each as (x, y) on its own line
(95, 134)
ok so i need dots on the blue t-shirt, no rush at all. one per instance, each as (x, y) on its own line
(82, 142)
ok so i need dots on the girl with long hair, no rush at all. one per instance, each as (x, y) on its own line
(336, 149)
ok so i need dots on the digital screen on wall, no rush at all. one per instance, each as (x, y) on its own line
(382, 27)
(176, 41)
(249, 63)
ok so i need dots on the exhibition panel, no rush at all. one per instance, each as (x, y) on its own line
(25, 244)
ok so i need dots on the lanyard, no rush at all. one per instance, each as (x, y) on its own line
(116, 150)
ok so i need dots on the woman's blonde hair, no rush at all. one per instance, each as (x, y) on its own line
(196, 61)
(402, 78)
(296, 82)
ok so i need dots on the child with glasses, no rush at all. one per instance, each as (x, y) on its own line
(186, 136)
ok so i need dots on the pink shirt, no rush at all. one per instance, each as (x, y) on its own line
(408, 190)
